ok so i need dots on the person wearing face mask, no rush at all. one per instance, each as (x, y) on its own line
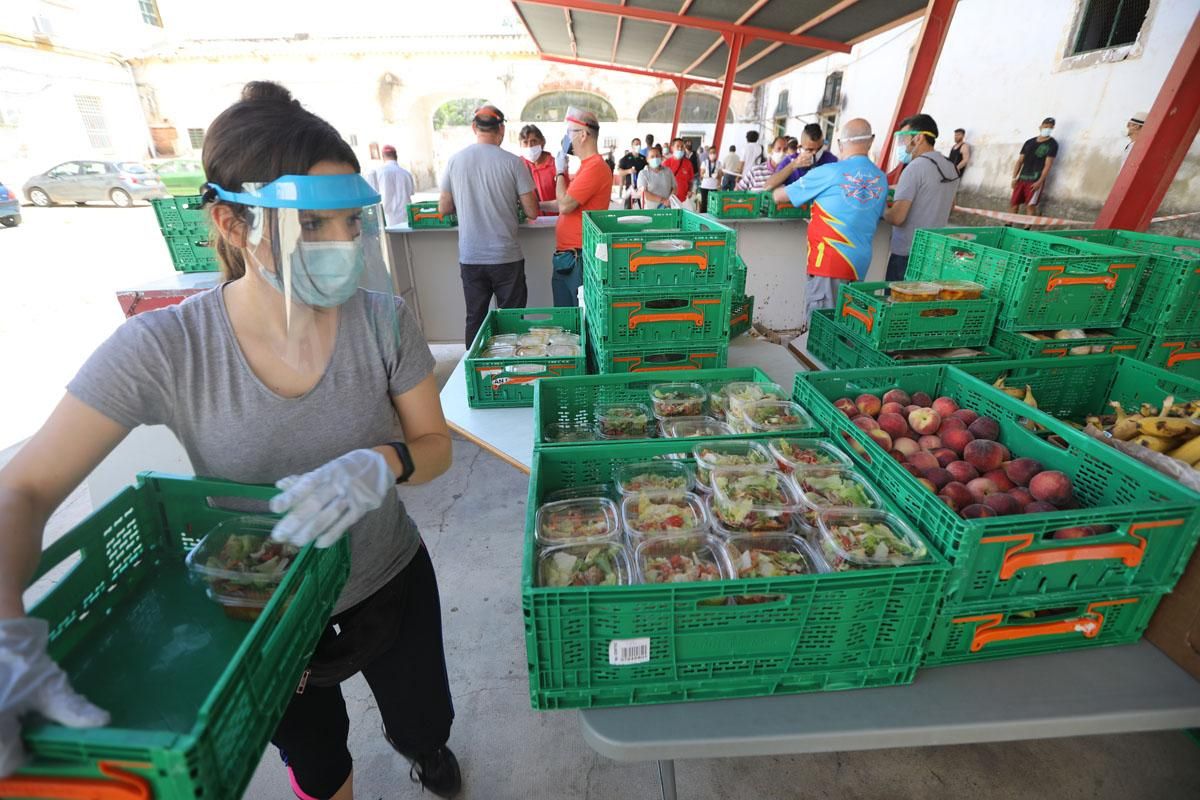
(541, 167)
(681, 167)
(628, 168)
(710, 176)
(925, 193)
(810, 152)
(295, 371)
(589, 189)
(655, 182)
(1032, 168)
(754, 178)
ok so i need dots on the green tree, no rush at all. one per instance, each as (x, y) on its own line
(456, 112)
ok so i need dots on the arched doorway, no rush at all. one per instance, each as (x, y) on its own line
(552, 106)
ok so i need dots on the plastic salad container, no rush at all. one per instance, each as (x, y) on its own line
(732, 396)
(576, 492)
(691, 427)
(561, 433)
(678, 400)
(503, 340)
(753, 499)
(241, 565)
(546, 330)
(772, 556)
(793, 454)
(653, 514)
(680, 559)
(598, 564)
(726, 454)
(652, 476)
(624, 421)
(565, 338)
(532, 339)
(532, 351)
(854, 538)
(824, 488)
(765, 416)
(585, 519)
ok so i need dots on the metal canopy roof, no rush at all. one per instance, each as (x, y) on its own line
(689, 38)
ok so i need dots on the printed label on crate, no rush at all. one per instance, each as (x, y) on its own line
(622, 652)
(601, 251)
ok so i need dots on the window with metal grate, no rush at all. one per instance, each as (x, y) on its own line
(1109, 23)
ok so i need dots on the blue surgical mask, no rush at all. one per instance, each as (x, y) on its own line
(654, 162)
(1046, 131)
(324, 274)
(678, 154)
(905, 156)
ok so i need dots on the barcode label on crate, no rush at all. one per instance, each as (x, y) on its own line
(628, 651)
(601, 252)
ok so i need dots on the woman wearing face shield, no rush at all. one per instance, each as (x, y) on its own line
(294, 371)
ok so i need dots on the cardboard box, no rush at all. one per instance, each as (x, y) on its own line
(1175, 628)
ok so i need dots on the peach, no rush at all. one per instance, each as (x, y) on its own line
(1001, 480)
(928, 484)
(906, 446)
(1039, 507)
(846, 406)
(922, 399)
(956, 495)
(978, 510)
(945, 456)
(985, 455)
(892, 408)
(924, 461)
(1022, 470)
(980, 488)
(945, 406)
(1079, 532)
(1002, 504)
(1052, 486)
(925, 421)
(966, 416)
(930, 442)
(894, 424)
(882, 438)
(1022, 496)
(962, 471)
(985, 428)
(908, 409)
(897, 396)
(868, 404)
(952, 424)
(957, 439)
(865, 423)
(896, 454)
(938, 477)
(912, 469)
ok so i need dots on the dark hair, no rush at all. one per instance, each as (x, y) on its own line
(752, 136)
(793, 143)
(677, 139)
(779, 139)
(654, 147)
(963, 131)
(813, 131)
(922, 122)
(531, 130)
(733, 148)
(649, 138)
(264, 135)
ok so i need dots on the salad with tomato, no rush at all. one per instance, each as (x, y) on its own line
(678, 400)
(658, 513)
(584, 519)
(753, 499)
(833, 489)
(865, 539)
(726, 454)
(791, 454)
(579, 565)
(631, 421)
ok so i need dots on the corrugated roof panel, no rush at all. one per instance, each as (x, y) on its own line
(783, 58)
(684, 48)
(787, 15)
(865, 16)
(594, 35)
(724, 10)
(638, 42)
(547, 28)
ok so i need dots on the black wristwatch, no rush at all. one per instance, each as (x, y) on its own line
(405, 460)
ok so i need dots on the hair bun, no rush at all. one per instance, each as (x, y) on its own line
(266, 92)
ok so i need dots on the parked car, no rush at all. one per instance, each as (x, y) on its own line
(118, 182)
(180, 176)
(10, 208)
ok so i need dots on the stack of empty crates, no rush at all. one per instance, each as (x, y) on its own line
(657, 289)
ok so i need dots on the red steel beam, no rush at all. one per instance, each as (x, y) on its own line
(649, 73)
(681, 86)
(1161, 146)
(938, 15)
(735, 52)
(700, 23)
(750, 12)
(667, 36)
(616, 39)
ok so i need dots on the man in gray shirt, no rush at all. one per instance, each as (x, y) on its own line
(925, 192)
(483, 185)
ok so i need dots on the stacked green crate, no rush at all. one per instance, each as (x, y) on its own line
(186, 231)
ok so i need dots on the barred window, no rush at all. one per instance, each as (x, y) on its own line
(698, 109)
(196, 137)
(1109, 23)
(92, 114)
(150, 15)
(552, 107)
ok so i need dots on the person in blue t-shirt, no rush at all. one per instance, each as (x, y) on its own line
(848, 199)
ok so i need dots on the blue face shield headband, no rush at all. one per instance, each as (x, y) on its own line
(304, 192)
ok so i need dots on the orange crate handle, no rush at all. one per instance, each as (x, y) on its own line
(740, 318)
(1017, 557)
(1089, 623)
(694, 317)
(867, 318)
(728, 205)
(1178, 354)
(434, 215)
(695, 259)
(123, 786)
(1108, 281)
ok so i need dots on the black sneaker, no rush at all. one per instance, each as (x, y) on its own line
(436, 771)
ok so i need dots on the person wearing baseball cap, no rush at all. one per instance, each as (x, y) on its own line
(395, 185)
(1132, 128)
(1032, 168)
(483, 185)
(589, 189)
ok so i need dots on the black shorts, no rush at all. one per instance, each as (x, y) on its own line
(407, 678)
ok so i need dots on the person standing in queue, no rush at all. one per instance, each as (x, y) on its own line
(541, 167)
(293, 371)
(628, 168)
(588, 190)
(483, 185)
(395, 184)
(655, 182)
(680, 166)
(710, 176)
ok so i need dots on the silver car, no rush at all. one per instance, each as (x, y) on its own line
(117, 182)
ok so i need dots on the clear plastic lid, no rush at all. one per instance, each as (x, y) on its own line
(680, 559)
(653, 476)
(499, 351)
(739, 393)
(649, 514)
(564, 433)
(530, 339)
(509, 339)
(913, 291)
(532, 351)
(587, 490)
(240, 563)
(565, 337)
(678, 400)
(726, 454)
(793, 454)
(753, 499)
(546, 330)
(859, 538)
(824, 488)
(563, 350)
(595, 564)
(959, 290)
(624, 421)
(772, 556)
(693, 427)
(586, 519)
(765, 416)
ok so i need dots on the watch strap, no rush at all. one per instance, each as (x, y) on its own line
(402, 452)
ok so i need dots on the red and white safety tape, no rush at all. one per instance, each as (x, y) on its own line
(1025, 219)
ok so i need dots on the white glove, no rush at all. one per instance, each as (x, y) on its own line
(31, 681)
(560, 163)
(324, 503)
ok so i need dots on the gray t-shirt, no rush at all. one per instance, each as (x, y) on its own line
(182, 367)
(486, 183)
(660, 183)
(932, 198)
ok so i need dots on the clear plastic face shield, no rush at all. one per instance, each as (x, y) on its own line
(904, 144)
(316, 241)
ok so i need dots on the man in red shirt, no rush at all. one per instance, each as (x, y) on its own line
(681, 167)
(588, 190)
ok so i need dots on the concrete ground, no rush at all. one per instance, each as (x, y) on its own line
(507, 750)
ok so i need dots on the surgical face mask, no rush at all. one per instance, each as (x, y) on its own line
(654, 162)
(534, 152)
(678, 153)
(776, 156)
(905, 156)
(1046, 131)
(324, 274)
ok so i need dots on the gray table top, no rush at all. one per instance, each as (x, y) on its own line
(1081, 692)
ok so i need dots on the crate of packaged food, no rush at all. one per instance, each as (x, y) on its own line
(631, 617)
(784, 210)
(915, 315)
(192, 253)
(425, 214)
(179, 214)
(983, 632)
(517, 347)
(1178, 354)
(653, 318)
(1068, 342)
(129, 613)
(837, 348)
(1041, 281)
(1167, 299)
(669, 356)
(1023, 507)
(637, 406)
(739, 276)
(734, 205)
(660, 250)
(741, 316)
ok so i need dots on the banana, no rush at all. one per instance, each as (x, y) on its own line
(1124, 428)
(1189, 451)
(1170, 427)
(1156, 443)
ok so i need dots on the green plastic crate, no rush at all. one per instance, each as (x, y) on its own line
(179, 214)
(425, 214)
(192, 253)
(784, 210)
(654, 318)
(1041, 281)
(671, 356)
(739, 276)
(966, 634)
(1118, 341)
(194, 695)
(735, 205)
(838, 348)
(509, 382)
(865, 310)
(1178, 354)
(621, 255)
(821, 632)
(741, 316)
(1156, 520)
(1167, 300)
